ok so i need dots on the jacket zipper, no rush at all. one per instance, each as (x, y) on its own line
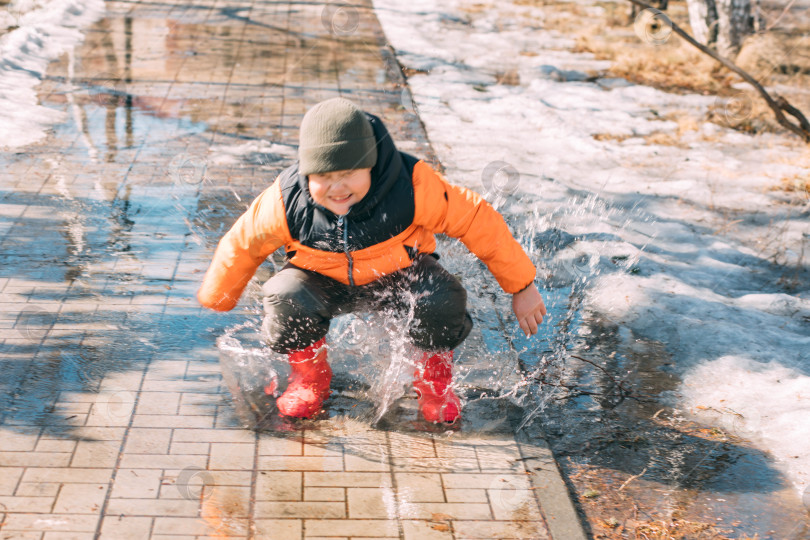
(344, 224)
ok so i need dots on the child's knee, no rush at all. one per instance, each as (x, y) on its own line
(441, 318)
(285, 330)
(442, 321)
(441, 333)
(442, 298)
(296, 287)
(295, 315)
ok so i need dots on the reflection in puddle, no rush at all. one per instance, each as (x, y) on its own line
(640, 449)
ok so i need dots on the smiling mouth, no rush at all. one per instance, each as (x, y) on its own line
(341, 199)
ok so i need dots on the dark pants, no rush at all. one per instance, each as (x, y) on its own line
(299, 305)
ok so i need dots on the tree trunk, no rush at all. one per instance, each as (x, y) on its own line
(758, 17)
(735, 23)
(721, 24)
(703, 20)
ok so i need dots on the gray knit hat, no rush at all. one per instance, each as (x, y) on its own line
(335, 136)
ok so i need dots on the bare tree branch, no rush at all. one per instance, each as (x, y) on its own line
(787, 7)
(796, 113)
(778, 105)
(573, 390)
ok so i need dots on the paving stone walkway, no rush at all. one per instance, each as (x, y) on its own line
(115, 421)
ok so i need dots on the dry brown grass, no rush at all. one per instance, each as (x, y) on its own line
(780, 57)
(677, 530)
(674, 66)
(685, 123)
(664, 139)
(796, 185)
(799, 184)
(617, 515)
(610, 137)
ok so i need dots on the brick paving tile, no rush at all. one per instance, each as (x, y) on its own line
(67, 536)
(116, 421)
(161, 461)
(352, 527)
(423, 530)
(279, 486)
(312, 463)
(303, 509)
(49, 522)
(466, 495)
(500, 529)
(195, 526)
(282, 529)
(276, 446)
(338, 479)
(37, 489)
(421, 487)
(190, 448)
(126, 528)
(26, 504)
(9, 480)
(81, 498)
(137, 484)
(324, 494)
(8, 534)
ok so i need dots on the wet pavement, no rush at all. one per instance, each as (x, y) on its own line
(115, 419)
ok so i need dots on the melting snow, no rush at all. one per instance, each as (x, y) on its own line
(700, 218)
(38, 34)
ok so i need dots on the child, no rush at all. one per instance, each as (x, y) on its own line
(356, 218)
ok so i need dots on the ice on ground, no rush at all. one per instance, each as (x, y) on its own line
(767, 402)
(37, 33)
(261, 152)
(718, 255)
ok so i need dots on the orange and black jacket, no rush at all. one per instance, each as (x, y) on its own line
(408, 202)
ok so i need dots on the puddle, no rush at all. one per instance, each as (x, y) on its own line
(604, 406)
(605, 435)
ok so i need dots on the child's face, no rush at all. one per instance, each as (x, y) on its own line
(339, 190)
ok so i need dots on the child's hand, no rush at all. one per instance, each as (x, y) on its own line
(529, 309)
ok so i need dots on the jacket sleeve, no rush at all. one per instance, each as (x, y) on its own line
(257, 233)
(459, 212)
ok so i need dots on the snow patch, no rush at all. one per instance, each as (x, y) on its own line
(39, 34)
(756, 401)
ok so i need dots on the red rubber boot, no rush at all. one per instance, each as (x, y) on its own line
(309, 382)
(432, 378)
